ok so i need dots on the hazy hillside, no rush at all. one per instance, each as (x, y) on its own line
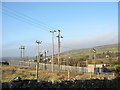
(88, 51)
(79, 52)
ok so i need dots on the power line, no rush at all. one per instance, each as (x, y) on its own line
(28, 17)
(33, 23)
(21, 16)
(23, 20)
(26, 22)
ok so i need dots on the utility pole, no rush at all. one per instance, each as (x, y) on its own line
(68, 74)
(45, 52)
(52, 49)
(22, 48)
(86, 62)
(94, 51)
(108, 57)
(68, 68)
(59, 47)
(23, 52)
(38, 57)
(20, 55)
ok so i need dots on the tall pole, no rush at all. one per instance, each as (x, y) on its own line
(68, 68)
(86, 66)
(59, 47)
(22, 48)
(38, 57)
(86, 63)
(20, 55)
(45, 52)
(94, 61)
(94, 51)
(21, 52)
(52, 49)
(108, 57)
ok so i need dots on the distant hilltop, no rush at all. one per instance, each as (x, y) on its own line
(88, 51)
(78, 52)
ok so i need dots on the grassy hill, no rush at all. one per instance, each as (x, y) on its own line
(88, 51)
(79, 56)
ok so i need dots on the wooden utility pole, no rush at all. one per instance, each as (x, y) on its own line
(38, 58)
(59, 47)
(20, 55)
(86, 62)
(86, 66)
(45, 52)
(68, 68)
(52, 49)
(94, 61)
(68, 74)
(21, 52)
(22, 48)
(94, 51)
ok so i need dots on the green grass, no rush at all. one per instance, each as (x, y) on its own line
(88, 51)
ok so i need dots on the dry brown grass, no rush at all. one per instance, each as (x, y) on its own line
(9, 72)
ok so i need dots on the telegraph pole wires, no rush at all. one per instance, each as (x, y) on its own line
(52, 49)
(38, 58)
(59, 47)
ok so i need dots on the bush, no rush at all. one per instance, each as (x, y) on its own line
(13, 71)
(118, 68)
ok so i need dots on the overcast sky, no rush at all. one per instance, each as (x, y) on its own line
(82, 25)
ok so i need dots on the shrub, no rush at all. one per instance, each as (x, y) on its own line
(118, 68)
(13, 71)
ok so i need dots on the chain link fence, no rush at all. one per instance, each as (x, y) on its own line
(44, 66)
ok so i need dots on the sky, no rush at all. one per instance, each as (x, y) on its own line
(60, 0)
(82, 25)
